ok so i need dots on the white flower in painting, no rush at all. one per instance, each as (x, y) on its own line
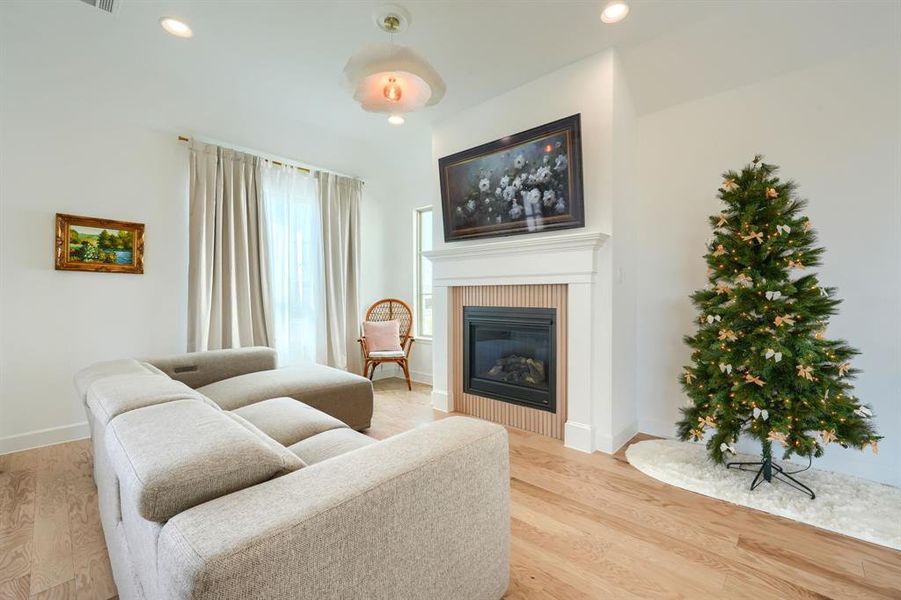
(498, 192)
(515, 210)
(546, 159)
(532, 197)
(498, 219)
(484, 184)
(471, 205)
(558, 145)
(505, 181)
(548, 198)
(517, 183)
(543, 174)
(533, 179)
(561, 163)
(509, 193)
(459, 210)
(519, 162)
(560, 207)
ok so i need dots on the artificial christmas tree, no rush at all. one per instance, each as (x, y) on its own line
(761, 363)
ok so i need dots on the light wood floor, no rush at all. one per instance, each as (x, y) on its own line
(584, 526)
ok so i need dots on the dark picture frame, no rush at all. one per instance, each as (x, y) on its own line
(523, 183)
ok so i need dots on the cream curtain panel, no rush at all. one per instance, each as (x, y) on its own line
(228, 298)
(339, 207)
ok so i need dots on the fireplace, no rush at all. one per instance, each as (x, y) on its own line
(510, 354)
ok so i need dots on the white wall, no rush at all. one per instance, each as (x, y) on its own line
(834, 129)
(388, 245)
(626, 221)
(57, 159)
(592, 88)
(584, 87)
(79, 135)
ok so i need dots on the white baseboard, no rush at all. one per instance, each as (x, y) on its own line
(44, 437)
(387, 371)
(421, 377)
(609, 444)
(391, 371)
(578, 436)
(441, 401)
(621, 437)
(658, 427)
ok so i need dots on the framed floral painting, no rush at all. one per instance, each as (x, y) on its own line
(523, 183)
(92, 244)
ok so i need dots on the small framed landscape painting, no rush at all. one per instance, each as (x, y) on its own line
(523, 183)
(90, 244)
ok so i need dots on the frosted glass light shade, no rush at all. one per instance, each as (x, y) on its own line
(369, 70)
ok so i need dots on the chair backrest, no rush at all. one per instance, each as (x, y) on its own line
(393, 309)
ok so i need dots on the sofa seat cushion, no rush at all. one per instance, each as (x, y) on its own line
(343, 395)
(172, 456)
(329, 444)
(86, 377)
(287, 420)
(111, 396)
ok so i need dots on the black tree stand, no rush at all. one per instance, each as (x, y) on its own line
(767, 470)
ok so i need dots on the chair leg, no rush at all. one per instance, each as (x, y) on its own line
(372, 365)
(406, 368)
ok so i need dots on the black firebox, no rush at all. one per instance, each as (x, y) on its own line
(510, 354)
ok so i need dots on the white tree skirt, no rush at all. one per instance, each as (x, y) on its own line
(849, 505)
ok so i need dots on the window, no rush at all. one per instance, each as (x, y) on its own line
(423, 273)
(295, 253)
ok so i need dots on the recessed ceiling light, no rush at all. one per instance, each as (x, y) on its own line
(614, 12)
(396, 120)
(176, 27)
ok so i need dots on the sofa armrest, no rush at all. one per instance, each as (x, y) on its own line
(424, 514)
(197, 369)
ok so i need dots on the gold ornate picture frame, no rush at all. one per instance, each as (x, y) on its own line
(104, 245)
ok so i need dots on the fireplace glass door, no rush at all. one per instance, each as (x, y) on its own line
(509, 354)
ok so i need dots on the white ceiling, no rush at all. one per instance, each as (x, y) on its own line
(265, 74)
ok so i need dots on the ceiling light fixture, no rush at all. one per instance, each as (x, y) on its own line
(393, 91)
(176, 27)
(390, 78)
(615, 12)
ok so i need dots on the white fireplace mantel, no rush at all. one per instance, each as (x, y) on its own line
(562, 258)
(567, 258)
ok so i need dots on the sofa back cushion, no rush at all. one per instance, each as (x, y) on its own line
(172, 456)
(109, 397)
(126, 366)
(197, 369)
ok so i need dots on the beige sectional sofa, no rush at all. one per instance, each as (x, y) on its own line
(221, 477)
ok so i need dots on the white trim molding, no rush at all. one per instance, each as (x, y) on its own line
(567, 241)
(562, 258)
(44, 437)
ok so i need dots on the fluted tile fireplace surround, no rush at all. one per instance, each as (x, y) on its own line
(543, 348)
(512, 319)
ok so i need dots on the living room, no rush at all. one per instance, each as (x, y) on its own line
(566, 242)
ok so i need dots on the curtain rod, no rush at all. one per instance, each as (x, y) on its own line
(184, 138)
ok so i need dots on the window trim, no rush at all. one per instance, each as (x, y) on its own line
(417, 271)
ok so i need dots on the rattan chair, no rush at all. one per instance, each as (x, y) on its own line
(390, 309)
